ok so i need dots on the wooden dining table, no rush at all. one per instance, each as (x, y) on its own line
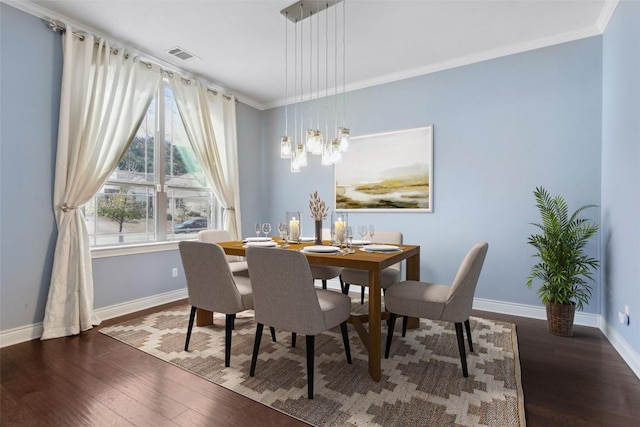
(374, 262)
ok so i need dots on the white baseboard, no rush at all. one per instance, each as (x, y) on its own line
(531, 311)
(515, 309)
(34, 331)
(628, 353)
(140, 304)
(630, 356)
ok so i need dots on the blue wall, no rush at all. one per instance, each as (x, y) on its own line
(30, 73)
(502, 127)
(621, 169)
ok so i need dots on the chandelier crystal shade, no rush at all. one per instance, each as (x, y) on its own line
(315, 70)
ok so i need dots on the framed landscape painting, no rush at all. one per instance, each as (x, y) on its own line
(387, 172)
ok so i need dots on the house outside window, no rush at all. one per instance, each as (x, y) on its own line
(150, 197)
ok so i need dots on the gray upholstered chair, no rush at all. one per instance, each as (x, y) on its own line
(389, 276)
(211, 286)
(326, 272)
(285, 298)
(439, 302)
(237, 265)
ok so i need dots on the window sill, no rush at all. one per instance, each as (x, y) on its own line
(143, 248)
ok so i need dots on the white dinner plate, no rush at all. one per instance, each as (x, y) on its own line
(357, 242)
(258, 239)
(321, 249)
(380, 248)
(270, 244)
(303, 240)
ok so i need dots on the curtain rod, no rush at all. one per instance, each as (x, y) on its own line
(58, 26)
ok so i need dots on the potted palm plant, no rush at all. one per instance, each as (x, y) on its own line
(564, 269)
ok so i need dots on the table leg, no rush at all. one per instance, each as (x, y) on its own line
(204, 317)
(413, 273)
(374, 325)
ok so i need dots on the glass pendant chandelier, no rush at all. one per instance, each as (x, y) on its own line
(308, 136)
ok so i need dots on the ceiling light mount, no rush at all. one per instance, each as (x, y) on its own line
(304, 9)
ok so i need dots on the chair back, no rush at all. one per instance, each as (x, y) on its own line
(391, 237)
(460, 298)
(215, 236)
(283, 292)
(210, 284)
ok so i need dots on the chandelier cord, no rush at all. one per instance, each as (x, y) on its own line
(286, 76)
(344, 63)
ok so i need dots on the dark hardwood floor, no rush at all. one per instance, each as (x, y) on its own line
(94, 380)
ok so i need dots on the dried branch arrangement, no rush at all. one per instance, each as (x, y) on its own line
(319, 210)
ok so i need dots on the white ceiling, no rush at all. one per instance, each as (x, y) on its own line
(241, 42)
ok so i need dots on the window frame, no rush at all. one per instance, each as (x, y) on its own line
(165, 240)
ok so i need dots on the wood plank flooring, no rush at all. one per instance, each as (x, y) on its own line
(94, 380)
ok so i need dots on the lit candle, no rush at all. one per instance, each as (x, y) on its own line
(340, 230)
(294, 228)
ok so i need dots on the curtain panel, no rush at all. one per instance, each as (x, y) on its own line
(104, 97)
(210, 121)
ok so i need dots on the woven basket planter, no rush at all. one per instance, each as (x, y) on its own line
(560, 318)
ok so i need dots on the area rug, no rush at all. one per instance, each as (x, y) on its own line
(421, 385)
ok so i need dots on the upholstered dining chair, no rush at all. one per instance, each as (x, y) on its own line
(211, 286)
(237, 265)
(389, 276)
(439, 302)
(285, 298)
(326, 272)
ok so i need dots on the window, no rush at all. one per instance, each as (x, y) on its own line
(150, 197)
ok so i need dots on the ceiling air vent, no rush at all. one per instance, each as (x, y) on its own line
(179, 52)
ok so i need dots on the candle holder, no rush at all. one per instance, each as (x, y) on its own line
(339, 223)
(294, 225)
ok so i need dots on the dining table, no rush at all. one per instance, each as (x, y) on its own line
(374, 263)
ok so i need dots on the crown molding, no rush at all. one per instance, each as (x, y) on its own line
(461, 61)
(43, 13)
(605, 14)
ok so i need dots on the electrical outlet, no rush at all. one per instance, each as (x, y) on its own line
(174, 272)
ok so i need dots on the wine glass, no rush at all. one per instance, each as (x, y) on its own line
(372, 231)
(362, 231)
(258, 228)
(266, 229)
(282, 227)
(349, 238)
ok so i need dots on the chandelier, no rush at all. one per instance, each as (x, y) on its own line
(313, 67)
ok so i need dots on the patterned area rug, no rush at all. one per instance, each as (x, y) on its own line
(421, 385)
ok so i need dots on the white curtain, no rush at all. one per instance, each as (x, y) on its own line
(210, 120)
(104, 97)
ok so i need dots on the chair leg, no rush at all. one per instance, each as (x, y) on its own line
(345, 340)
(324, 283)
(392, 324)
(361, 294)
(342, 285)
(468, 328)
(311, 339)
(405, 321)
(228, 329)
(273, 333)
(293, 339)
(256, 348)
(192, 316)
(463, 355)
(345, 287)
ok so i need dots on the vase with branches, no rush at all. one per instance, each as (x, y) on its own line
(319, 211)
(564, 270)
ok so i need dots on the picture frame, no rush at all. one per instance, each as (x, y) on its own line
(387, 172)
